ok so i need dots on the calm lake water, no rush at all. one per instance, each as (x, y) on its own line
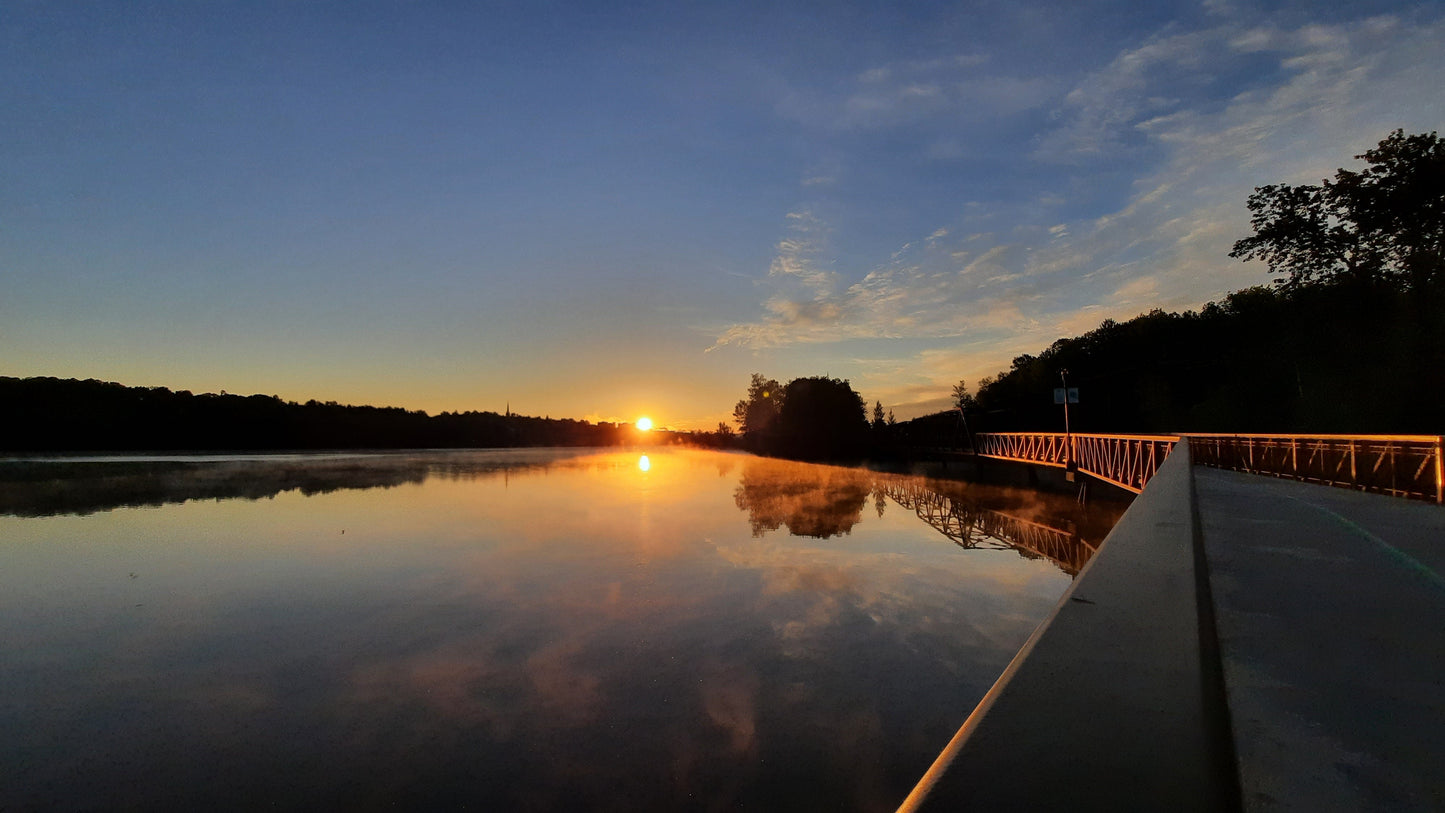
(541, 629)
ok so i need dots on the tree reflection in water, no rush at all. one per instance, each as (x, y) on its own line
(811, 500)
(32, 487)
(823, 501)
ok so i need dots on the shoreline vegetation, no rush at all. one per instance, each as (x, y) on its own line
(1344, 356)
(44, 414)
(1340, 356)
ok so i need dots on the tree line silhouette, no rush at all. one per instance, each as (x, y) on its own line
(1330, 357)
(816, 418)
(52, 414)
(1333, 356)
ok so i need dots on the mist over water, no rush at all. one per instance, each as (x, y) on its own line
(532, 629)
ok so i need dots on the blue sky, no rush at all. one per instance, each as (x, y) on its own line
(596, 212)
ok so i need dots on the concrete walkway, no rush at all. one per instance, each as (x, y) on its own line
(1239, 642)
(1330, 612)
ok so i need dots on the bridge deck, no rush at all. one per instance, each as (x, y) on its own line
(1302, 669)
(1330, 609)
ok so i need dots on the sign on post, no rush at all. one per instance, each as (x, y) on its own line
(1061, 395)
(1073, 395)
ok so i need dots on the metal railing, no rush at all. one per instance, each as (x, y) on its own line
(1402, 465)
(1411, 466)
(1127, 461)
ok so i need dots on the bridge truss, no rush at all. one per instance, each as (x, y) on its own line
(1410, 466)
(1127, 461)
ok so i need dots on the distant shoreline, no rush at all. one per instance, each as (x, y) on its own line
(68, 416)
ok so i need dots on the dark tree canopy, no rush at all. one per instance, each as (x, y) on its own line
(1326, 357)
(822, 417)
(51, 414)
(1385, 223)
(811, 418)
(962, 398)
(757, 413)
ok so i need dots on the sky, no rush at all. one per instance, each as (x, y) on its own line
(601, 211)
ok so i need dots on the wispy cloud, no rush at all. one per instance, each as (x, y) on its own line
(797, 256)
(914, 92)
(996, 281)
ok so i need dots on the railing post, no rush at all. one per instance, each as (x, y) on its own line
(1439, 470)
(1394, 467)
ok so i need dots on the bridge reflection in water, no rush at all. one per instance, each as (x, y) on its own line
(970, 525)
(827, 501)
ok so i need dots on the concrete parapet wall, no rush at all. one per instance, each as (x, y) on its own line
(1115, 702)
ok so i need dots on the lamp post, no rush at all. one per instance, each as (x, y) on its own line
(1069, 466)
(1065, 381)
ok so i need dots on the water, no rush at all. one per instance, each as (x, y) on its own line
(656, 629)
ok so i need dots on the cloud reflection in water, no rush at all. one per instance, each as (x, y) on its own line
(555, 633)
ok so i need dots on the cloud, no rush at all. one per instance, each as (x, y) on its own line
(1198, 137)
(1309, 72)
(988, 262)
(797, 254)
(1101, 109)
(956, 88)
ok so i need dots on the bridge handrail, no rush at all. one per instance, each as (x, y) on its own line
(1127, 461)
(1102, 436)
(1266, 436)
(1411, 466)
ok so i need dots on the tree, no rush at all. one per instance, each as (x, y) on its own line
(878, 415)
(821, 418)
(961, 396)
(759, 411)
(1385, 223)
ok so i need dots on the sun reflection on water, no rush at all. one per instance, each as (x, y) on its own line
(643, 463)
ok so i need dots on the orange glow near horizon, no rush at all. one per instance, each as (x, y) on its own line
(644, 424)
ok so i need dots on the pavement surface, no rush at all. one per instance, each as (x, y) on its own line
(1239, 642)
(1330, 614)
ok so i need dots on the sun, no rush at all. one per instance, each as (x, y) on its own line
(644, 424)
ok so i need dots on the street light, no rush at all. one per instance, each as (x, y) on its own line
(1063, 396)
(1065, 400)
